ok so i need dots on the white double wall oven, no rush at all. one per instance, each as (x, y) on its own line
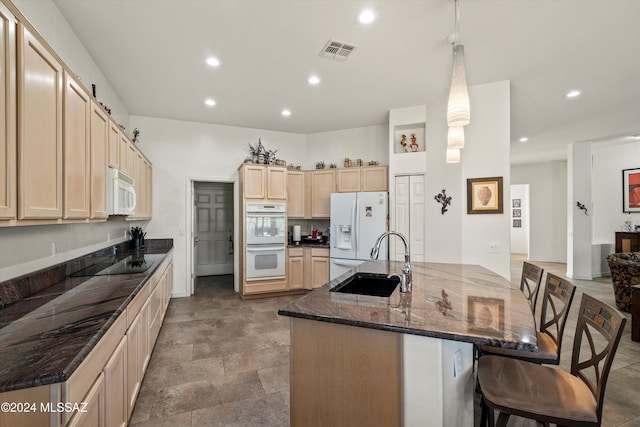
(266, 241)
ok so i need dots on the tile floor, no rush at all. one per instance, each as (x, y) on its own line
(223, 361)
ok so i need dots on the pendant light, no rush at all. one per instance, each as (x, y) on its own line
(458, 107)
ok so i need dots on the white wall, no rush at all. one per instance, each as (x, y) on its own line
(366, 143)
(547, 208)
(519, 235)
(49, 22)
(486, 154)
(608, 164)
(183, 151)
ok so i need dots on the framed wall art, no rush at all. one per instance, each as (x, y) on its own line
(631, 190)
(484, 195)
(517, 223)
(515, 203)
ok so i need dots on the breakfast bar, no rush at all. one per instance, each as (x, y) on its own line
(402, 359)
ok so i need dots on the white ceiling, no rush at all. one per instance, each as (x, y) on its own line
(153, 53)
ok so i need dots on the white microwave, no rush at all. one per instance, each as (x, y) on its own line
(121, 194)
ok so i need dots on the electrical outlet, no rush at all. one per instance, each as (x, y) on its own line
(54, 248)
(494, 247)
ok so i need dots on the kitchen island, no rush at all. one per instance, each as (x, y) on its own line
(406, 359)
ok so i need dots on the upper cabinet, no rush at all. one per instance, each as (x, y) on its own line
(99, 153)
(8, 177)
(374, 178)
(126, 155)
(296, 194)
(323, 183)
(141, 174)
(77, 150)
(263, 182)
(114, 145)
(39, 129)
(348, 180)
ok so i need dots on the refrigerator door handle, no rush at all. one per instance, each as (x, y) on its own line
(354, 226)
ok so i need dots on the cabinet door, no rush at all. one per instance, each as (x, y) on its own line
(295, 268)
(137, 170)
(254, 181)
(8, 177)
(295, 194)
(99, 154)
(134, 359)
(76, 149)
(115, 385)
(114, 145)
(126, 155)
(277, 183)
(322, 185)
(349, 180)
(39, 129)
(374, 178)
(94, 415)
(319, 271)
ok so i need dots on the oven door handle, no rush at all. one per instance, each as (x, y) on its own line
(265, 248)
(268, 215)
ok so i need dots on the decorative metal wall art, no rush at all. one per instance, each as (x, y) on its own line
(444, 200)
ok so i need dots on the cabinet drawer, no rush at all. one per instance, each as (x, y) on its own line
(320, 252)
(296, 252)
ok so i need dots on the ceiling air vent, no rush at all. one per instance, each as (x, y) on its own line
(337, 50)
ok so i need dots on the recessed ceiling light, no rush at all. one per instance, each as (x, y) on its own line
(286, 113)
(524, 139)
(366, 16)
(572, 94)
(210, 102)
(213, 61)
(314, 80)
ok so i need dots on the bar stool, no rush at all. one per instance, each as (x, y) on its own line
(551, 395)
(556, 302)
(530, 283)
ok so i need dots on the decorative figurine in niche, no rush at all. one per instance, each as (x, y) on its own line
(136, 134)
(414, 144)
(403, 142)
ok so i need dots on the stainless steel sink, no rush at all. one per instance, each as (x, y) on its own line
(376, 285)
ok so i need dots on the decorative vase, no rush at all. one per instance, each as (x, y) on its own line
(484, 195)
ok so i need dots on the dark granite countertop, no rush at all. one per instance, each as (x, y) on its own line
(45, 335)
(309, 245)
(449, 301)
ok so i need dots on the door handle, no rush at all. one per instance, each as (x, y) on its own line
(195, 241)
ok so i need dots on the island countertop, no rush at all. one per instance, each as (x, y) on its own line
(457, 302)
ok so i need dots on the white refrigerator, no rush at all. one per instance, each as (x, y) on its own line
(357, 219)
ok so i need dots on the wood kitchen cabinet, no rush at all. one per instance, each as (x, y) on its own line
(374, 178)
(115, 382)
(76, 150)
(297, 195)
(348, 180)
(126, 155)
(114, 146)
(99, 156)
(318, 267)
(323, 183)
(94, 412)
(295, 268)
(263, 182)
(8, 159)
(39, 129)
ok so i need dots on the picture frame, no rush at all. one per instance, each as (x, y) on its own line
(631, 190)
(517, 213)
(485, 315)
(517, 223)
(515, 203)
(484, 195)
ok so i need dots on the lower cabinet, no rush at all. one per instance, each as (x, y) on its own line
(115, 381)
(93, 414)
(308, 267)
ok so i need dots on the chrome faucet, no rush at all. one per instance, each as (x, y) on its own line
(405, 278)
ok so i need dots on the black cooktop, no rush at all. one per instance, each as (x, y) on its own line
(132, 264)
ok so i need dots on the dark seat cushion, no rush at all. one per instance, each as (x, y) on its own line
(535, 391)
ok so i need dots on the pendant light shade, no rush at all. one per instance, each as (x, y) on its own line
(455, 137)
(458, 109)
(453, 155)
